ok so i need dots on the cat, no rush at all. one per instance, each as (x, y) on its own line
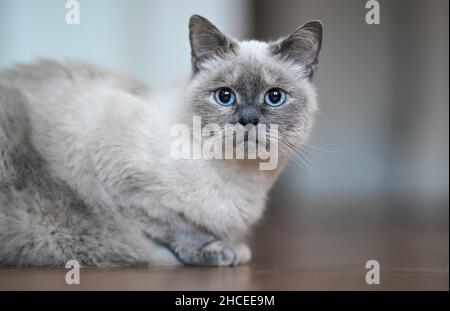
(85, 171)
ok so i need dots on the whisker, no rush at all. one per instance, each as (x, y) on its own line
(293, 153)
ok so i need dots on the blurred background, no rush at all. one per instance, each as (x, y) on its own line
(375, 182)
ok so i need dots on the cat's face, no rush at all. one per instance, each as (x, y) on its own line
(254, 82)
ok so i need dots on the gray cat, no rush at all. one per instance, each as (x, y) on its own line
(85, 166)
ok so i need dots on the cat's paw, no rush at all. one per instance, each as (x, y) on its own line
(243, 254)
(217, 253)
(222, 253)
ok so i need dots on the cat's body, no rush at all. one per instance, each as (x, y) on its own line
(86, 171)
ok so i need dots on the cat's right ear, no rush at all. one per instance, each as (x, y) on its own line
(302, 46)
(206, 41)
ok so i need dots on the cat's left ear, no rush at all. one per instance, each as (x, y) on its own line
(206, 41)
(302, 46)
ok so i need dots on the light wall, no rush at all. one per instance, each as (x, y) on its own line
(148, 38)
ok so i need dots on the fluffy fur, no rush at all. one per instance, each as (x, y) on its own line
(85, 166)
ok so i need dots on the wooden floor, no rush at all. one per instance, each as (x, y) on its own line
(308, 253)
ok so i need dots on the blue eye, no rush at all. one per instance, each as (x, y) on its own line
(275, 97)
(224, 96)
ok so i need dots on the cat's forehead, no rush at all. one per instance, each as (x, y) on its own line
(253, 49)
(251, 65)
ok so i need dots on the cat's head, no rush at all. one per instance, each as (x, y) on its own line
(253, 82)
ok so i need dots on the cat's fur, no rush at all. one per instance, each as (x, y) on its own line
(85, 167)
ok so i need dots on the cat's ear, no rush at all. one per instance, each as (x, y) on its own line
(303, 45)
(206, 41)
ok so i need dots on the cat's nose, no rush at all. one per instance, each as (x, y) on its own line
(244, 120)
(248, 116)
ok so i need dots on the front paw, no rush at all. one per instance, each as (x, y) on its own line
(243, 253)
(221, 253)
(217, 253)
